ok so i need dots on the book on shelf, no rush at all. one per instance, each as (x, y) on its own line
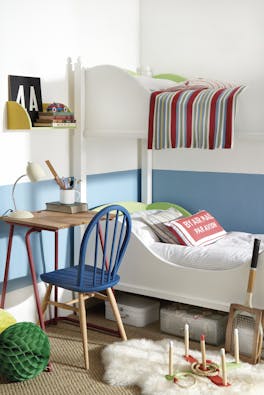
(66, 119)
(63, 118)
(64, 124)
(61, 113)
(55, 124)
(55, 119)
(45, 113)
(44, 120)
(43, 117)
(42, 124)
(52, 115)
(74, 208)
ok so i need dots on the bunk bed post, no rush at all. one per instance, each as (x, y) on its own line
(70, 84)
(146, 172)
(76, 93)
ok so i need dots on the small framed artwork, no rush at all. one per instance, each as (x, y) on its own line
(27, 92)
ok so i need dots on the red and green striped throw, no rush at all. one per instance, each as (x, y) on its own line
(193, 115)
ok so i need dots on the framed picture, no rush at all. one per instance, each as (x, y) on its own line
(27, 92)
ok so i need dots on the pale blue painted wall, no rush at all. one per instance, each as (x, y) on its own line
(236, 200)
(111, 187)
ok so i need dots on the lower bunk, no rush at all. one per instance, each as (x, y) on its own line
(211, 276)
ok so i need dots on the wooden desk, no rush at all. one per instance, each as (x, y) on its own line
(52, 220)
(42, 220)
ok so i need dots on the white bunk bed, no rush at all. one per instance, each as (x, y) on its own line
(110, 101)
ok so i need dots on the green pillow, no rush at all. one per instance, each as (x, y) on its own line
(172, 77)
(131, 72)
(166, 205)
(131, 207)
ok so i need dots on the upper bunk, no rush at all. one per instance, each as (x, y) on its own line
(117, 101)
(178, 113)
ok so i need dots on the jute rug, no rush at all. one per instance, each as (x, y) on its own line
(68, 376)
(145, 363)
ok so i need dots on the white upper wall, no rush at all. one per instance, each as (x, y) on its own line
(36, 39)
(218, 39)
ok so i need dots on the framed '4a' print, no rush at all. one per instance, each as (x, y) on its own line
(27, 92)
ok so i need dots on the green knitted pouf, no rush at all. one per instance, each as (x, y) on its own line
(24, 351)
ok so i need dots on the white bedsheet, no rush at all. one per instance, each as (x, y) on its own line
(231, 251)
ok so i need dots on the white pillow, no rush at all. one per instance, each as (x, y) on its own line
(157, 220)
(142, 230)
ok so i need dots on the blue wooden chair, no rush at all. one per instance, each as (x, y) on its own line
(102, 249)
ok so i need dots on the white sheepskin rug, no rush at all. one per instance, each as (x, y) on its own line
(145, 363)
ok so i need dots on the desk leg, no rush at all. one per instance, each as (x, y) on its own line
(8, 254)
(56, 266)
(34, 277)
(35, 284)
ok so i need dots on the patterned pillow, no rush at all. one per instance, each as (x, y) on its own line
(200, 83)
(157, 220)
(208, 83)
(197, 230)
(184, 87)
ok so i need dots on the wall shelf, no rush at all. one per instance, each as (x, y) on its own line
(18, 118)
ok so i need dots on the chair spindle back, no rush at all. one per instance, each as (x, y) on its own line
(104, 243)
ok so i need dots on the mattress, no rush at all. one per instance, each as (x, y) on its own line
(231, 251)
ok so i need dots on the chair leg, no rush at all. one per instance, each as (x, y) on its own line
(83, 327)
(46, 299)
(116, 312)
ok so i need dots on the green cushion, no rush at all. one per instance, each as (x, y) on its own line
(24, 351)
(131, 72)
(172, 77)
(131, 207)
(166, 205)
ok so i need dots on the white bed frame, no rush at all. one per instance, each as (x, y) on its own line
(145, 273)
(109, 101)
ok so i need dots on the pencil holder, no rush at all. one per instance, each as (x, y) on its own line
(69, 196)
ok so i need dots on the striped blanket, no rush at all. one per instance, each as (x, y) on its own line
(192, 117)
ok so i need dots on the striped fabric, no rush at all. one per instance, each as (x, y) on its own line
(192, 117)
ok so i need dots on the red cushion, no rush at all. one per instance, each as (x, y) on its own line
(196, 230)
